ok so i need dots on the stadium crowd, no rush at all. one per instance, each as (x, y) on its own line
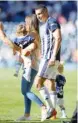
(13, 12)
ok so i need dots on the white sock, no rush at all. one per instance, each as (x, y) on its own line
(60, 101)
(63, 112)
(45, 95)
(53, 97)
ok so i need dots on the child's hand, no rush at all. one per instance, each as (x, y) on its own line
(25, 52)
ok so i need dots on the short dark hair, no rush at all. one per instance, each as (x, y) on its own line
(40, 6)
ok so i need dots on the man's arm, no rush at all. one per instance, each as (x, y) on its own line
(57, 40)
(57, 44)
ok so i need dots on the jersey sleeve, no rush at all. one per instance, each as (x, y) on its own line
(53, 24)
(14, 40)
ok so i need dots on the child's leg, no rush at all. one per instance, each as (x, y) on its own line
(18, 65)
(60, 103)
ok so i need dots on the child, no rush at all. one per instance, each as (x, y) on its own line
(22, 40)
(60, 82)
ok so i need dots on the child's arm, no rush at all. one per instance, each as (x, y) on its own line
(34, 45)
(5, 39)
(29, 49)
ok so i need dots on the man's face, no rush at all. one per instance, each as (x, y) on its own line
(41, 15)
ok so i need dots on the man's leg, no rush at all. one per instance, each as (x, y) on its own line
(50, 84)
(45, 95)
(39, 83)
(52, 92)
(43, 73)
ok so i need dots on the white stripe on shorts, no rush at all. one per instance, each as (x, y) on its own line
(45, 71)
(42, 67)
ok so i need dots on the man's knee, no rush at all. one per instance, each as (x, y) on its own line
(53, 86)
(50, 84)
(38, 82)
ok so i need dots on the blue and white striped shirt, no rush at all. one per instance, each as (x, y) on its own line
(47, 42)
(24, 40)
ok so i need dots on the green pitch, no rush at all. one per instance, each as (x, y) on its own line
(11, 99)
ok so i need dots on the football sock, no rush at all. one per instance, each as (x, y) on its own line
(45, 95)
(53, 97)
(63, 111)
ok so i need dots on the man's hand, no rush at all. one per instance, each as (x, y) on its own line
(52, 61)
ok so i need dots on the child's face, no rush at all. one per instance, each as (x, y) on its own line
(60, 68)
(20, 30)
(28, 24)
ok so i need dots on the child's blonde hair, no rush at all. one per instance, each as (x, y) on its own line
(61, 68)
(21, 30)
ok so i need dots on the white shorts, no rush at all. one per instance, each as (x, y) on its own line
(48, 72)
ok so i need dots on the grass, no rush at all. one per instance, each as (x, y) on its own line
(11, 99)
